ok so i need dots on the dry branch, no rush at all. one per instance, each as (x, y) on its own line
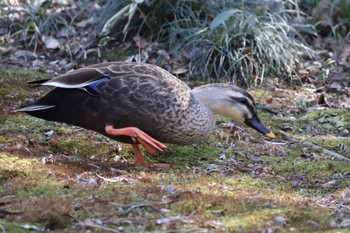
(316, 147)
(104, 229)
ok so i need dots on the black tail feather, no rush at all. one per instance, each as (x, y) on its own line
(37, 83)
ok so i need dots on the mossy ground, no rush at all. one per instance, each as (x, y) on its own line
(66, 179)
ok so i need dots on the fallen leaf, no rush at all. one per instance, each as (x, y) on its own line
(50, 42)
(144, 177)
(269, 100)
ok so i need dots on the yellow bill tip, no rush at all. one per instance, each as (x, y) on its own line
(270, 135)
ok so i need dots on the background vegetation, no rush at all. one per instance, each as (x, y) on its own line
(239, 41)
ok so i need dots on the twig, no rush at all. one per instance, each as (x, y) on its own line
(107, 179)
(92, 225)
(328, 152)
(138, 205)
(318, 148)
(98, 226)
(275, 143)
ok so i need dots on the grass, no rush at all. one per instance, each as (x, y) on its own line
(242, 46)
(229, 183)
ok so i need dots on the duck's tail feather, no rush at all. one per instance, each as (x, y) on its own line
(37, 83)
(33, 108)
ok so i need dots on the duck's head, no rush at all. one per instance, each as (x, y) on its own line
(232, 102)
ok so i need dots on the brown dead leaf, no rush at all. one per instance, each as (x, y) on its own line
(144, 177)
(269, 100)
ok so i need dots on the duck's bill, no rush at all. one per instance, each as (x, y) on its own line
(256, 124)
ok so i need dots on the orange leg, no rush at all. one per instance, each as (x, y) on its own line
(141, 162)
(138, 156)
(150, 144)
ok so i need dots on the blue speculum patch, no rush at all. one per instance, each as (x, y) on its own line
(92, 88)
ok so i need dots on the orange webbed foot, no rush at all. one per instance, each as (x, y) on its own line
(139, 160)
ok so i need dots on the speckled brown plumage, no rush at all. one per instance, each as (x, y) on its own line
(142, 103)
(138, 95)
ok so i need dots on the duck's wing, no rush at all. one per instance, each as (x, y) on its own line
(124, 74)
(82, 77)
(88, 75)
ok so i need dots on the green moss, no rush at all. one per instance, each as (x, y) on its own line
(331, 142)
(67, 144)
(307, 164)
(311, 169)
(251, 219)
(243, 204)
(336, 118)
(295, 217)
(6, 175)
(21, 74)
(199, 154)
(14, 163)
(13, 83)
(22, 122)
(42, 188)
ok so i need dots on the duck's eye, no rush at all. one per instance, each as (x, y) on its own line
(243, 101)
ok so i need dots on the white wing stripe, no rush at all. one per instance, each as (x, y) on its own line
(33, 108)
(65, 85)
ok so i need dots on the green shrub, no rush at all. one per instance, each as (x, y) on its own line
(237, 41)
(229, 40)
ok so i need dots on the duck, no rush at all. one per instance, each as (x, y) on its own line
(142, 104)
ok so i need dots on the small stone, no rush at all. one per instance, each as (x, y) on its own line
(49, 133)
(281, 220)
(344, 132)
